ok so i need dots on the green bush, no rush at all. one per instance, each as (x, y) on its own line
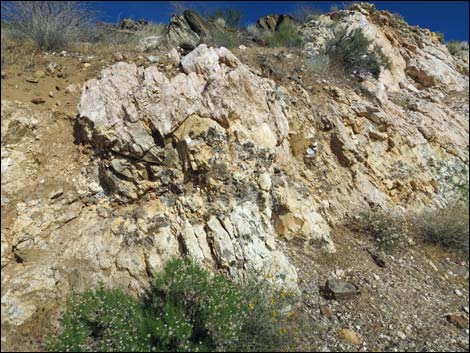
(188, 309)
(386, 227)
(285, 36)
(104, 321)
(354, 54)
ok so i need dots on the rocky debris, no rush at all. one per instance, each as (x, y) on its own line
(149, 43)
(339, 290)
(350, 336)
(272, 23)
(457, 320)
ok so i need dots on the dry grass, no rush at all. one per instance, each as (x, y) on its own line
(446, 227)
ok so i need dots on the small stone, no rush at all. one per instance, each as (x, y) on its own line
(350, 336)
(337, 289)
(401, 335)
(326, 311)
(242, 47)
(71, 89)
(457, 320)
(458, 292)
(118, 56)
(32, 80)
(4, 74)
(51, 94)
(153, 59)
(85, 65)
(38, 100)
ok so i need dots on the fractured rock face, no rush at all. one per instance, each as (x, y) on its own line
(132, 113)
(187, 30)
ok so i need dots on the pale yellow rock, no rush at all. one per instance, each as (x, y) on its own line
(350, 336)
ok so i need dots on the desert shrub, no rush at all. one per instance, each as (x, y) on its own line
(455, 47)
(256, 33)
(188, 309)
(447, 227)
(318, 64)
(387, 228)
(354, 54)
(285, 36)
(102, 320)
(221, 37)
(231, 17)
(50, 24)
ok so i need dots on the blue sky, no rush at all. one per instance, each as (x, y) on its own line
(449, 17)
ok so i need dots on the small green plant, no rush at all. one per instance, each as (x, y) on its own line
(285, 36)
(188, 309)
(456, 47)
(354, 54)
(386, 227)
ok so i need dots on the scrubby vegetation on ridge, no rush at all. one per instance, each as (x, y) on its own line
(353, 52)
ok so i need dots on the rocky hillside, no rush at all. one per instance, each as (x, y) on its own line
(195, 152)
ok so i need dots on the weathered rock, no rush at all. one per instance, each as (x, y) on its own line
(326, 311)
(131, 25)
(187, 29)
(150, 43)
(339, 290)
(350, 336)
(273, 22)
(457, 320)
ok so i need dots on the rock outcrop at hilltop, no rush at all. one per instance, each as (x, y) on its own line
(215, 162)
(419, 60)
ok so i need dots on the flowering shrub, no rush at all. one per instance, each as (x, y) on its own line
(104, 321)
(188, 309)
